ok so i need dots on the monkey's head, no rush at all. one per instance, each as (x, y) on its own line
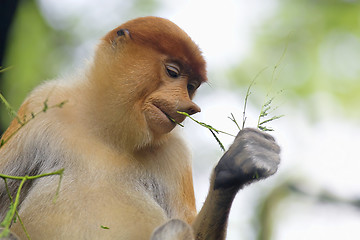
(145, 71)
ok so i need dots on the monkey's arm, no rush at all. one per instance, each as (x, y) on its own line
(254, 155)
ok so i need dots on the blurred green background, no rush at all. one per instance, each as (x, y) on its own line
(310, 53)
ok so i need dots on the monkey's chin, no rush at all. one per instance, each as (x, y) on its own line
(158, 121)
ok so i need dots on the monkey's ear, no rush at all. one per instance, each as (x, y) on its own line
(123, 33)
(120, 37)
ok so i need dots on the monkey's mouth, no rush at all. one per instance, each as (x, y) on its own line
(176, 120)
(171, 119)
(166, 114)
(160, 118)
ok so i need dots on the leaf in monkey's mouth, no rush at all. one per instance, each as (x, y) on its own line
(173, 120)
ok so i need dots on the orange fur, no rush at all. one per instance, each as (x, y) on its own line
(167, 38)
(125, 166)
(187, 196)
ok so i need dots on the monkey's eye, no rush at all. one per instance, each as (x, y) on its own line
(172, 70)
(191, 87)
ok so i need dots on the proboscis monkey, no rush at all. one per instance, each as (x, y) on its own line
(126, 167)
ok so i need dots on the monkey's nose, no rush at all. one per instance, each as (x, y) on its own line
(190, 108)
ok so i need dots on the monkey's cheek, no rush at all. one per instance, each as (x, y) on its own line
(157, 121)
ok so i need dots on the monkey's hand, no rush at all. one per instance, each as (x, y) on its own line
(254, 155)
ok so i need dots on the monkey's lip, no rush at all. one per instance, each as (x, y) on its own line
(171, 119)
(160, 118)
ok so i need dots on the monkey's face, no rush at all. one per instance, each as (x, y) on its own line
(149, 88)
(175, 89)
(150, 70)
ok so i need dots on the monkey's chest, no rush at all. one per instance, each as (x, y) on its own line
(159, 192)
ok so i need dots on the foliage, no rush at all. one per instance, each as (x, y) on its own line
(104, 227)
(213, 130)
(323, 52)
(4, 69)
(266, 108)
(25, 120)
(12, 213)
(10, 216)
(31, 51)
(265, 111)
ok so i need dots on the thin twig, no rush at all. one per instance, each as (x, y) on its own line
(10, 215)
(248, 93)
(6, 223)
(265, 108)
(26, 121)
(10, 110)
(212, 129)
(5, 69)
(204, 124)
(232, 118)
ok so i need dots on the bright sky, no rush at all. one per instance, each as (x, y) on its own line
(322, 154)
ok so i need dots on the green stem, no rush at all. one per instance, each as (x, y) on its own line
(25, 122)
(248, 93)
(22, 225)
(58, 172)
(6, 223)
(205, 125)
